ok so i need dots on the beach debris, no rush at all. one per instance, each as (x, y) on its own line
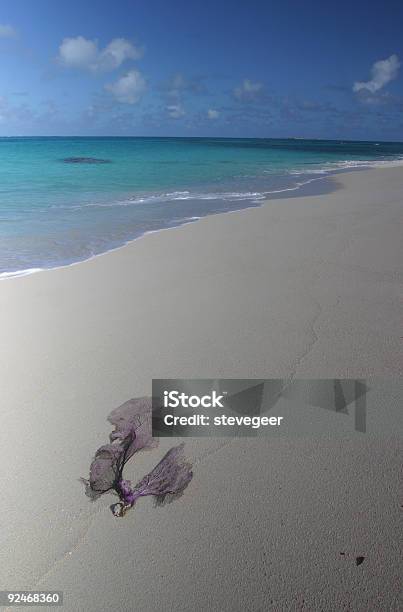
(133, 432)
(85, 160)
(359, 560)
(169, 478)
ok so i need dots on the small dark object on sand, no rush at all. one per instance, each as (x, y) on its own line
(359, 560)
(85, 160)
(133, 432)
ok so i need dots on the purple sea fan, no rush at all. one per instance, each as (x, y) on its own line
(105, 470)
(133, 432)
(169, 478)
(134, 416)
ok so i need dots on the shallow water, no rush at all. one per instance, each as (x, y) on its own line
(55, 211)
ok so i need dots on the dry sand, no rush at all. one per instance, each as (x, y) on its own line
(301, 287)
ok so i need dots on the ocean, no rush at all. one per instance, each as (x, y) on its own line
(66, 199)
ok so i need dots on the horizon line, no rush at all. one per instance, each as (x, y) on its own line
(377, 140)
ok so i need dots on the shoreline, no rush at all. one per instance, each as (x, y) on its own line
(312, 227)
(300, 190)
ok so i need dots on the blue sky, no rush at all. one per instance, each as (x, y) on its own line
(202, 68)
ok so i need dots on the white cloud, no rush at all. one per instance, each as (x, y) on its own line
(382, 72)
(178, 86)
(128, 88)
(248, 90)
(212, 114)
(7, 31)
(78, 53)
(83, 53)
(118, 51)
(176, 111)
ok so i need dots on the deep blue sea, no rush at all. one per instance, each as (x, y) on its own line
(63, 200)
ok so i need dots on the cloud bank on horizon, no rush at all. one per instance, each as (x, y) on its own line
(162, 77)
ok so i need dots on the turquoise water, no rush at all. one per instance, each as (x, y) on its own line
(54, 212)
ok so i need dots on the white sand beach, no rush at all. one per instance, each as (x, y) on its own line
(305, 287)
